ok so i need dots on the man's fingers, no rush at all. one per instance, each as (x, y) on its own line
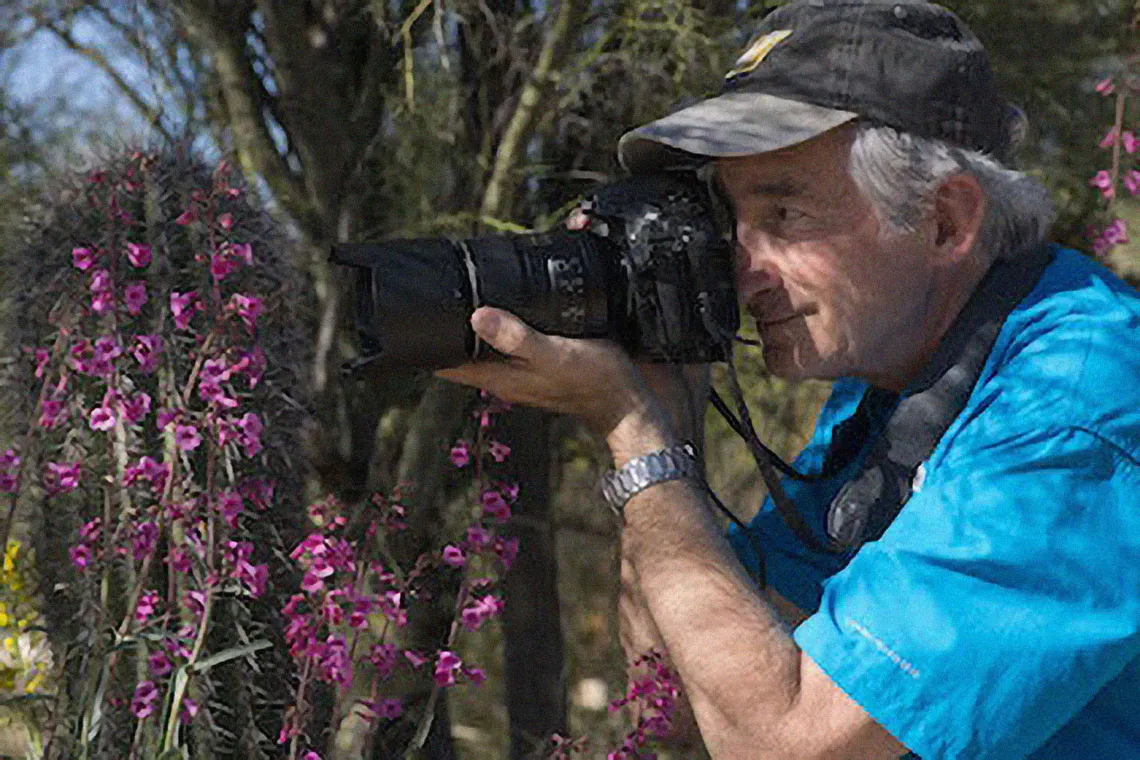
(506, 333)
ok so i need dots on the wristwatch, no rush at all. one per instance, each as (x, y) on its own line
(673, 463)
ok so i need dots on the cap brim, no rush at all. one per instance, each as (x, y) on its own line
(733, 124)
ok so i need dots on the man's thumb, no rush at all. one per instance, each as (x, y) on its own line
(504, 331)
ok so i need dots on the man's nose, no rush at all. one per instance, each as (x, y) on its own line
(756, 272)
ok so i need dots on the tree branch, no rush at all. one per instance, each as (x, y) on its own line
(501, 183)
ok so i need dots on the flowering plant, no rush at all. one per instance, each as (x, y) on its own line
(1123, 172)
(162, 511)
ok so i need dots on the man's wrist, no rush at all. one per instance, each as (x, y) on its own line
(638, 433)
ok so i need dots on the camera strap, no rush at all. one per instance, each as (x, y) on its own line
(867, 504)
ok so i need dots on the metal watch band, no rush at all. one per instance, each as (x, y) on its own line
(673, 463)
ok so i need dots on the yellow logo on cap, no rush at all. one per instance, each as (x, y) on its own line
(757, 51)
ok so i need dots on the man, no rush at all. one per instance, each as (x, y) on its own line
(861, 147)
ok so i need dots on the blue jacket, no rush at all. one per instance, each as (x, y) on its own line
(999, 615)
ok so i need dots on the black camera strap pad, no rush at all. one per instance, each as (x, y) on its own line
(867, 504)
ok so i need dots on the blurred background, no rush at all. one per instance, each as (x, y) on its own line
(368, 119)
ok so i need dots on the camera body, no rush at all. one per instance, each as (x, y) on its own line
(653, 272)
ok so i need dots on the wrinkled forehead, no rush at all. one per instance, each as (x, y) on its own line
(808, 166)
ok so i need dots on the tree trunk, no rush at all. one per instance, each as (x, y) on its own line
(535, 685)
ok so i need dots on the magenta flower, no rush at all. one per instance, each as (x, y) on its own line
(145, 699)
(9, 483)
(102, 418)
(507, 550)
(135, 297)
(1130, 143)
(453, 556)
(1103, 181)
(250, 436)
(478, 538)
(102, 302)
(82, 258)
(310, 755)
(146, 351)
(494, 507)
(499, 451)
(222, 265)
(50, 414)
(460, 455)
(386, 708)
(1116, 233)
(180, 561)
(182, 307)
(226, 221)
(145, 538)
(80, 556)
(1132, 182)
(186, 437)
(230, 505)
(10, 460)
(148, 603)
(160, 663)
(479, 610)
(415, 658)
(243, 251)
(195, 601)
(188, 711)
(136, 408)
(248, 308)
(1109, 138)
(139, 255)
(383, 657)
(446, 667)
(43, 356)
(61, 477)
(1105, 86)
(186, 217)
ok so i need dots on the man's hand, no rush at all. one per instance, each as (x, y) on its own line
(593, 380)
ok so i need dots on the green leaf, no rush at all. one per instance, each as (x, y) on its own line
(23, 699)
(229, 654)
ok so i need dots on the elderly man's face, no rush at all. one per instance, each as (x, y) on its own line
(831, 296)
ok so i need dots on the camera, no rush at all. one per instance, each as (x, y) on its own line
(653, 272)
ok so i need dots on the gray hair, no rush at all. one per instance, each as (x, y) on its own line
(898, 173)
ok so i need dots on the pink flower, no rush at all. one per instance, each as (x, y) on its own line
(475, 675)
(102, 418)
(186, 437)
(138, 254)
(250, 437)
(494, 507)
(386, 708)
(43, 356)
(230, 505)
(310, 755)
(479, 610)
(100, 281)
(146, 351)
(164, 417)
(61, 477)
(1130, 143)
(136, 408)
(148, 602)
(226, 221)
(182, 307)
(1109, 139)
(195, 601)
(49, 416)
(383, 657)
(188, 711)
(460, 455)
(499, 451)
(1103, 180)
(415, 658)
(80, 556)
(248, 308)
(145, 698)
(453, 556)
(1116, 233)
(82, 258)
(478, 538)
(1105, 86)
(145, 538)
(446, 667)
(243, 251)
(186, 217)
(1132, 182)
(507, 550)
(135, 297)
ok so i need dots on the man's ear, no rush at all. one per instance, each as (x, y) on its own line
(959, 207)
